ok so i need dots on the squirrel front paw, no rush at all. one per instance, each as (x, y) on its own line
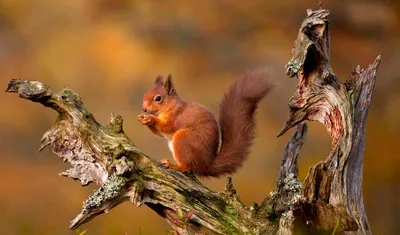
(145, 119)
(165, 163)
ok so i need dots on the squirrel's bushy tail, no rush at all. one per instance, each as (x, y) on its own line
(237, 121)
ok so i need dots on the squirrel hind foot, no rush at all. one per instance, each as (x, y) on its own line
(165, 163)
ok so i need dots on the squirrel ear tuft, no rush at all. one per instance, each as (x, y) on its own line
(159, 81)
(169, 87)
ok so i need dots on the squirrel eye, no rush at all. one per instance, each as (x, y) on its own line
(157, 98)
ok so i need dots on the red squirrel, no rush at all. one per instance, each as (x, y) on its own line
(192, 130)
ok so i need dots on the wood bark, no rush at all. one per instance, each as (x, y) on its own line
(329, 200)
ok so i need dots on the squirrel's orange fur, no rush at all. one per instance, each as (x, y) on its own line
(192, 130)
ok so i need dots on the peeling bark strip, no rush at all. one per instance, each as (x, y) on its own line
(329, 200)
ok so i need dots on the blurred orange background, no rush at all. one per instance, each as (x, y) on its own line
(109, 52)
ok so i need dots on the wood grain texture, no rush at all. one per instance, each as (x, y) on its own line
(343, 109)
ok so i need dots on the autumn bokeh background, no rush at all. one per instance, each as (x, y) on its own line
(109, 51)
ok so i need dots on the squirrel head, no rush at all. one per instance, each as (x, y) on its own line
(161, 98)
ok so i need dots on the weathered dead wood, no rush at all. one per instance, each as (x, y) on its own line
(343, 109)
(330, 198)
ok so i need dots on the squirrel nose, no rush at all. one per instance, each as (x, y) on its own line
(144, 109)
